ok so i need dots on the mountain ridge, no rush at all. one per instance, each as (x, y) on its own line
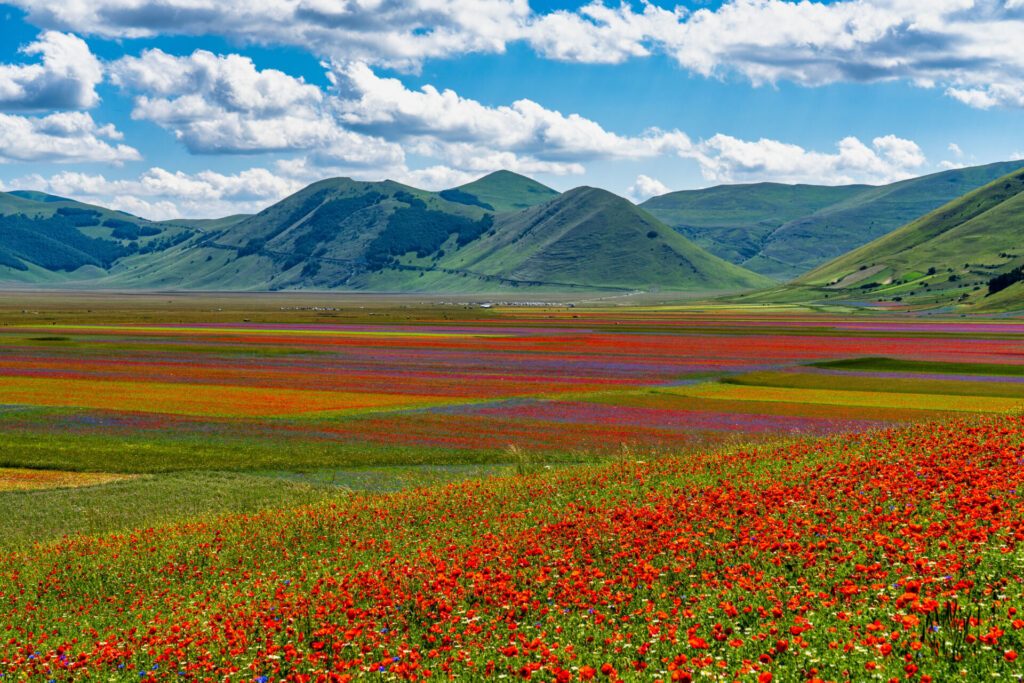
(965, 255)
(784, 247)
(500, 231)
(340, 233)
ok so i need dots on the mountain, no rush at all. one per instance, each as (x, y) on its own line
(771, 239)
(501, 192)
(588, 237)
(735, 221)
(386, 236)
(324, 236)
(45, 238)
(950, 255)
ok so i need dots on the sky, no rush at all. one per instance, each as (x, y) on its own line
(194, 108)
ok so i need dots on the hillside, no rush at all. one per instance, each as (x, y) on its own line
(947, 256)
(320, 237)
(589, 236)
(834, 231)
(786, 232)
(45, 238)
(734, 221)
(385, 236)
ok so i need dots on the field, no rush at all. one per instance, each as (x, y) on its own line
(270, 487)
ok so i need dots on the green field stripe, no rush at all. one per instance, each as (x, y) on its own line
(885, 364)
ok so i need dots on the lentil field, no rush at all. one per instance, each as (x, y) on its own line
(552, 493)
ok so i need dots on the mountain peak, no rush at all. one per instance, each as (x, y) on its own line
(504, 191)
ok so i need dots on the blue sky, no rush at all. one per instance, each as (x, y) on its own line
(164, 109)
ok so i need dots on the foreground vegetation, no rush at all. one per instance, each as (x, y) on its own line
(557, 493)
(891, 555)
(227, 413)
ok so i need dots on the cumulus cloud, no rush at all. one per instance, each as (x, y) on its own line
(479, 158)
(61, 137)
(969, 48)
(159, 194)
(384, 106)
(398, 33)
(224, 104)
(598, 34)
(645, 187)
(726, 159)
(437, 177)
(65, 77)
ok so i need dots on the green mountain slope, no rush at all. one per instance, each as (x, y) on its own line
(321, 237)
(45, 238)
(830, 233)
(385, 236)
(785, 231)
(947, 256)
(501, 192)
(594, 238)
(735, 221)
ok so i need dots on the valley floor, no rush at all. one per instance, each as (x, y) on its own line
(556, 489)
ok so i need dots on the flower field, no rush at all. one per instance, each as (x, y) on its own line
(893, 556)
(548, 494)
(561, 382)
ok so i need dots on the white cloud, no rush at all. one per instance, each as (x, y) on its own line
(384, 106)
(363, 123)
(159, 194)
(726, 159)
(309, 169)
(392, 32)
(645, 187)
(993, 95)
(61, 137)
(224, 104)
(958, 158)
(438, 177)
(65, 78)
(479, 158)
(603, 35)
(968, 48)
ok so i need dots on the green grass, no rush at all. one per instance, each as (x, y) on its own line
(384, 479)
(43, 516)
(881, 385)
(153, 453)
(154, 500)
(884, 364)
(331, 233)
(943, 259)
